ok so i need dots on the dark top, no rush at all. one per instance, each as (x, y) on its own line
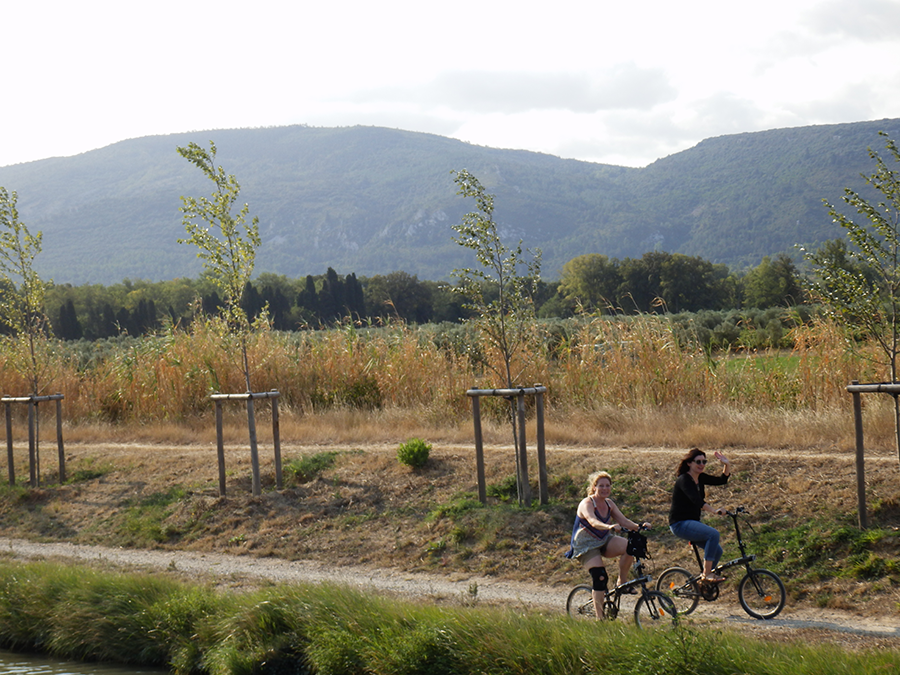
(688, 497)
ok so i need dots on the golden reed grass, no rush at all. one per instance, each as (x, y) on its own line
(611, 381)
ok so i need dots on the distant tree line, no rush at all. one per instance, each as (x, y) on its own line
(658, 282)
(672, 282)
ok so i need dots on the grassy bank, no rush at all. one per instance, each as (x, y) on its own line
(82, 613)
(351, 504)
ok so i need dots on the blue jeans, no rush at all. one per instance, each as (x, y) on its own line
(694, 530)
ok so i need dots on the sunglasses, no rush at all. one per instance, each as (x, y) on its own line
(699, 461)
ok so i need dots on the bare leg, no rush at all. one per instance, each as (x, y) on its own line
(625, 562)
(595, 568)
(708, 573)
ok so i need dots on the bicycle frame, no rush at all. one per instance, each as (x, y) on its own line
(614, 597)
(744, 560)
(760, 592)
(650, 605)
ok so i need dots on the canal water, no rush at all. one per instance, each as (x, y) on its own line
(30, 664)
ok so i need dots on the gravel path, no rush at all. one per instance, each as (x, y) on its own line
(830, 625)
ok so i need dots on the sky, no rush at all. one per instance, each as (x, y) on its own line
(622, 83)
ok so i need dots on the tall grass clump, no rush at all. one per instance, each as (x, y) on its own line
(106, 618)
(262, 629)
(81, 613)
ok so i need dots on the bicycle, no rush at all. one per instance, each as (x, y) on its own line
(760, 592)
(652, 606)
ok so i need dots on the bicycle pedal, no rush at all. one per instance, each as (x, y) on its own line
(713, 582)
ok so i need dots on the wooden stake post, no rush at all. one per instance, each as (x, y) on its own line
(251, 424)
(855, 389)
(34, 455)
(524, 486)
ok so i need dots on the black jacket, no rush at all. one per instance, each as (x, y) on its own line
(688, 497)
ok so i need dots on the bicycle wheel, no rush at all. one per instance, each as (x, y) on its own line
(654, 609)
(580, 603)
(762, 594)
(676, 583)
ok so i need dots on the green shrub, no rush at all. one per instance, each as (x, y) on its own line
(307, 468)
(414, 453)
(506, 489)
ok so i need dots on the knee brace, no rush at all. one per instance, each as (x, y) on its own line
(600, 578)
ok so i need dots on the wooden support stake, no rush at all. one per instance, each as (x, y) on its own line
(523, 453)
(860, 461)
(34, 436)
(541, 448)
(220, 448)
(254, 448)
(479, 449)
(523, 487)
(254, 445)
(60, 450)
(9, 445)
(37, 439)
(32, 447)
(276, 434)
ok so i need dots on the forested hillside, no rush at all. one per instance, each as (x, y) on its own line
(371, 201)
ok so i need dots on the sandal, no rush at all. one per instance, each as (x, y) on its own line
(712, 579)
(626, 591)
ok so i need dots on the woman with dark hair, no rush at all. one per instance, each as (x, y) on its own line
(689, 500)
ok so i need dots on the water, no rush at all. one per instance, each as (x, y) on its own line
(33, 664)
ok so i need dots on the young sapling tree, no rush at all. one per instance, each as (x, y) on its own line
(226, 243)
(859, 283)
(507, 321)
(22, 294)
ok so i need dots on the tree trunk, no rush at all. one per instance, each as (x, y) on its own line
(520, 490)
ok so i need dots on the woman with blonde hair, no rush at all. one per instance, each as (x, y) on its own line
(593, 537)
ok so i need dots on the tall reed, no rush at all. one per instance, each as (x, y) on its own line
(636, 363)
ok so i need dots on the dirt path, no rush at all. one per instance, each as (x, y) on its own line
(844, 628)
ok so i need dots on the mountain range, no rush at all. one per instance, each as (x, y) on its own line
(371, 200)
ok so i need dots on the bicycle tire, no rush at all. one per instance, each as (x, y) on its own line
(676, 583)
(762, 594)
(654, 609)
(580, 603)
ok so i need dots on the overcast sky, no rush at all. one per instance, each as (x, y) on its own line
(613, 82)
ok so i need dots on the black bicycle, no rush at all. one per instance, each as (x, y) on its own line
(652, 607)
(761, 592)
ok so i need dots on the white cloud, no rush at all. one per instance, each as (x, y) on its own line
(623, 86)
(865, 20)
(619, 83)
